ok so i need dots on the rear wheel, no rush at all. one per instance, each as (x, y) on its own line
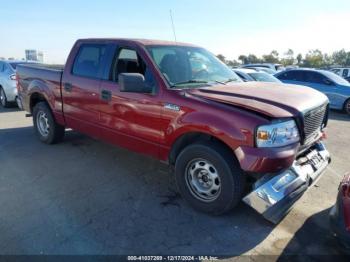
(3, 98)
(347, 106)
(209, 178)
(45, 125)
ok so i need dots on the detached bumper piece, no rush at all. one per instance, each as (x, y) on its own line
(274, 195)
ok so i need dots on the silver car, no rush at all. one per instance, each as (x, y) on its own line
(8, 90)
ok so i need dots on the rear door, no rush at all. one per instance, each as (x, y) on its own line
(131, 120)
(296, 77)
(81, 87)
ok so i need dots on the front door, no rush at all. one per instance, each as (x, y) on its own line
(131, 120)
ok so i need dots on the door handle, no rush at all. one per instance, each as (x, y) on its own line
(106, 95)
(68, 87)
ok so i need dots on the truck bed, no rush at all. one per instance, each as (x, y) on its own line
(41, 78)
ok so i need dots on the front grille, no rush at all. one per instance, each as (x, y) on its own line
(313, 122)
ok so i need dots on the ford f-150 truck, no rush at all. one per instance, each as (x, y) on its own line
(227, 140)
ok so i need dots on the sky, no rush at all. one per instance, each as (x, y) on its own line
(229, 27)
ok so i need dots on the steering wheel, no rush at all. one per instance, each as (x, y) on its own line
(201, 74)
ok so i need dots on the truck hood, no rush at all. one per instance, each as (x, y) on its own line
(271, 99)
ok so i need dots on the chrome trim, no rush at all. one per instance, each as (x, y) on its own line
(269, 192)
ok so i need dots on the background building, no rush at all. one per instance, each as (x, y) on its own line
(34, 55)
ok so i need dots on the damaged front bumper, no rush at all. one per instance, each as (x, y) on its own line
(274, 195)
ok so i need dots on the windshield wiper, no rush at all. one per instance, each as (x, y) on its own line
(219, 82)
(192, 81)
(230, 80)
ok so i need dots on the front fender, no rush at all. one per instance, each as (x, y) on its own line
(213, 125)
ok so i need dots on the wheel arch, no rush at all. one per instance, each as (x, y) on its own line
(35, 98)
(345, 102)
(192, 137)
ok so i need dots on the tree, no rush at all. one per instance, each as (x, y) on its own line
(244, 59)
(232, 63)
(272, 57)
(299, 59)
(288, 58)
(327, 60)
(253, 59)
(221, 57)
(341, 57)
(314, 58)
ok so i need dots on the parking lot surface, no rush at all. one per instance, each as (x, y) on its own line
(86, 197)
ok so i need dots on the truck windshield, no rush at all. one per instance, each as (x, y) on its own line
(185, 66)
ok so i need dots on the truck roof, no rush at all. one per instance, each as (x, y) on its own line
(145, 42)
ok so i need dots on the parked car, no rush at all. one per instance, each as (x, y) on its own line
(275, 67)
(263, 69)
(243, 75)
(247, 74)
(335, 87)
(8, 90)
(340, 214)
(341, 71)
(215, 130)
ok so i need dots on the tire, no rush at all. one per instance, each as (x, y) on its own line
(223, 172)
(45, 125)
(347, 106)
(3, 99)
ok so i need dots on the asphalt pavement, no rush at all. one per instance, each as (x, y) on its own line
(83, 196)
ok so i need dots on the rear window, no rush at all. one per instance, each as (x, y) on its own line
(292, 75)
(88, 62)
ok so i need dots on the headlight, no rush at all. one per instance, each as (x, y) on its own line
(277, 134)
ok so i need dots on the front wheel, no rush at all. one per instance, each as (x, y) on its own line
(347, 106)
(209, 178)
(3, 98)
(45, 125)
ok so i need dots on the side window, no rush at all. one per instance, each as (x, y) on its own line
(316, 78)
(283, 76)
(292, 75)
(128, 61)
(88, 62)
(345, 72)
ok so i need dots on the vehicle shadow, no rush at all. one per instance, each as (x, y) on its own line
(9, 109)
(338, 115)
(314, 242)
(86, 197)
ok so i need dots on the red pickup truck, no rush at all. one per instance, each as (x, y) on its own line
(228, 140)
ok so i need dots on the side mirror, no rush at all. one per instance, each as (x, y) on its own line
(133, 82)
(328, 82)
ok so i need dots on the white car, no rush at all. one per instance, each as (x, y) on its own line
(249, 74)
(8, 90)
(341, 71)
